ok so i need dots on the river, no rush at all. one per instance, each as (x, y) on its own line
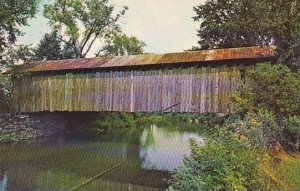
(146, 158)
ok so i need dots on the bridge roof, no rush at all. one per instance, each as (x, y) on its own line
(155, 59)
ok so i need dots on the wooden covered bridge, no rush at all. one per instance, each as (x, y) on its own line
(199, 81)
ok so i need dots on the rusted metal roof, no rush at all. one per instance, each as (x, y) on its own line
(154, 59)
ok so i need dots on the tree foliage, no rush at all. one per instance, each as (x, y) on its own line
(4, 93)
(275, 88)
(49, 47)
(218, 166)
(121, 44)
(82, 23)
(17, 55)
(68, 52)
(238, 23)
(13, 56)
(13, 14)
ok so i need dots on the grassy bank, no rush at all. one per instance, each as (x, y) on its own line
(108, 121)
(240, 155)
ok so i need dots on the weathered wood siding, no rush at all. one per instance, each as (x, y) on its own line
(195, 89)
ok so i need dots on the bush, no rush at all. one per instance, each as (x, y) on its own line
(110, 120)
(252, 130)
(261, 130)
(271, 87)
(240, 155)
(4, 94)
(218, 166)
(291, 133)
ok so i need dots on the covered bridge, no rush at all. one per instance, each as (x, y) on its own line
(198, 81)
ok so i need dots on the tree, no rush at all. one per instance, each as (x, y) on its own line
(121, 44)
(12, 56)
(13, 14)
(4, 93)
(17, 55)
(82, 23)
(49, 48)
(237, 23)
(276, 89)
(68, 52)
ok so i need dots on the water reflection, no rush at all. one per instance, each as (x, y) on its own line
(62, 161)
(3, 182)
(166, 149)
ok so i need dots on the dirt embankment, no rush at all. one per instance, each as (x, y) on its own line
(26, 127)
(18, 127)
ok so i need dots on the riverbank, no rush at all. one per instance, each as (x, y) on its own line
(110, 121)
(17, 128)
(14, 128)
(249, 152)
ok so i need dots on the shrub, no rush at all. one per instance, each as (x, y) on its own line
(110, 120)
(271, 87)
(291, 133)
(260, 130)
(239, 156)
(4, 93)
(252, 130)
(218, 166)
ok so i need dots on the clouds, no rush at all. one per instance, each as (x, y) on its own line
(165, 25)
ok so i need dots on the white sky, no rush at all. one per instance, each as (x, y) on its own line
(165, 25)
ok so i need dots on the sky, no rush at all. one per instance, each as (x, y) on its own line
(164, 25)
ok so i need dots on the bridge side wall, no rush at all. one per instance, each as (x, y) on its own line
(202, 90)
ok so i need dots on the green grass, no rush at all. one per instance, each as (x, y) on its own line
(280, 174)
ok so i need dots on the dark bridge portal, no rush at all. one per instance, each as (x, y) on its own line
(200, 81)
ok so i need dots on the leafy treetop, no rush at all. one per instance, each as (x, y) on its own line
(242, 23)
(121, 44)
(49, 47)
(14, 13)
(81, 23)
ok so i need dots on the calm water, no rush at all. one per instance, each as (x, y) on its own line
(64, 161)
